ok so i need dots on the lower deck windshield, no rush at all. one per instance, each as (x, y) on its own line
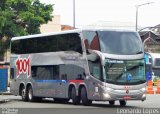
(128, 72)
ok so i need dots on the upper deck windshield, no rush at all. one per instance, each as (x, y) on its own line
(118, 42)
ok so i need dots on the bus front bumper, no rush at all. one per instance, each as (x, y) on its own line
(112, 94)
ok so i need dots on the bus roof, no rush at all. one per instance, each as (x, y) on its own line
(68, 31)
(44, 34)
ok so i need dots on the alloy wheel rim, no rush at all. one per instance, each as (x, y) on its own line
(30, 94)
(23, 93)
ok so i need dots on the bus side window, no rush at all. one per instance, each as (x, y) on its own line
(12, 73)
(56, 72)
(95, 68)
(33, 71)
(80, 77)
(96, 71)
(64, 77)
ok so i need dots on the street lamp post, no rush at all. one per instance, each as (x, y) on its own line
(74, 13)
(137, 6)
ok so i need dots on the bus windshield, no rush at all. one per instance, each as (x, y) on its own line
(122, 43)
(125, 72)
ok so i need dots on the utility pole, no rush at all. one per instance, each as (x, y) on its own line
(74, 13)
(137, 6)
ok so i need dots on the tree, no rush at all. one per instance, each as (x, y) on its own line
(21, 17)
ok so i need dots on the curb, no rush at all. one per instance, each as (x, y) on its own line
(6, 93)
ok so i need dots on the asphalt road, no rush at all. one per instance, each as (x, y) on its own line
(15, 105)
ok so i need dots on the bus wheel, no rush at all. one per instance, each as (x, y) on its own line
(111, 102)
(123, 102)
(75, 98)
(30, 94)
(24, 94)
(85, 100)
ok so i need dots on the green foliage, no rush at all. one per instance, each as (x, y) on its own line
(21, 17)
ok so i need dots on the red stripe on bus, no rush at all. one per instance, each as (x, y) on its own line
(76, 81)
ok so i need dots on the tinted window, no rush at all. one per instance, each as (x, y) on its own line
(16, 47)
(124, 43)
(156, 72)
(76, 73)
(45, 72)
(28, 45)
(64, 42)
(157, 62)
(12, 73)
(91, 40)
(95, 68)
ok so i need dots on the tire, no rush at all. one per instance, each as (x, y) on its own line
(85, 100)
(75, 98)
(123, 102)
(24, 94)
(31, 98)
(111, 102)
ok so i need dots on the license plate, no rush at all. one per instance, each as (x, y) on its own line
(127, 97)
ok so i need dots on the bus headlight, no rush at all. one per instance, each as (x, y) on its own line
(106, 95)
(143, 89)
(144, 96)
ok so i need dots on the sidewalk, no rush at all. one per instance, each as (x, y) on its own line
(5, 96)
(7, 92)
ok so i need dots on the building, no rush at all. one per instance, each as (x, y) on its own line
(51, 26)
(66, 27)
(151, 39)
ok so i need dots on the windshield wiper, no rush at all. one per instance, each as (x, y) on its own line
(139, 52)
(142, 81)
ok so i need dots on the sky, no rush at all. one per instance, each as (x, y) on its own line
(91, 11)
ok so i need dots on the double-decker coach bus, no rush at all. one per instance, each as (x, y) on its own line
(83, 65)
